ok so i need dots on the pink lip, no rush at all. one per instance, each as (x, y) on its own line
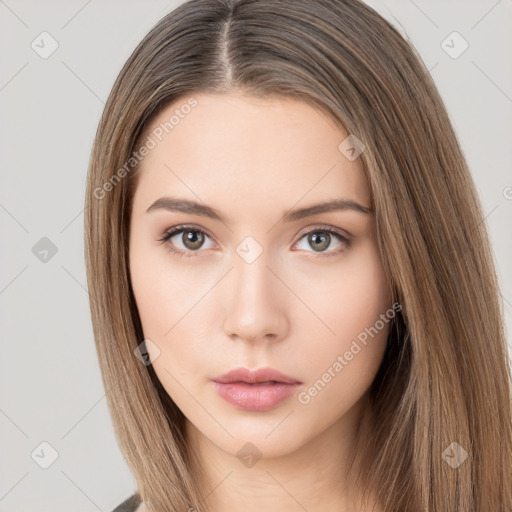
(258, 390)
(254, 376)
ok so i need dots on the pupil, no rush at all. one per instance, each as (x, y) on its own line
(324, 240)
(193, 240)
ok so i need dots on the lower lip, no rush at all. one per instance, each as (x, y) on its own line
(254, 397)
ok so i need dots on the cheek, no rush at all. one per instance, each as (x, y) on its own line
(168, 303)
(163, 295)
(348, 305)
(154, 298)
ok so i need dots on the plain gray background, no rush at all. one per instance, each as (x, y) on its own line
(51, 390)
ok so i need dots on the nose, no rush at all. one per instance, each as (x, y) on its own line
(256, 302)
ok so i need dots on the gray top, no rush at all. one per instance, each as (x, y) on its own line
(129, 505)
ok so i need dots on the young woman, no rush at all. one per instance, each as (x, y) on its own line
(293, 296)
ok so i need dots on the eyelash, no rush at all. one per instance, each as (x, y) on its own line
(191, 254)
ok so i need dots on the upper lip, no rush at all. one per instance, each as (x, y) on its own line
(253, 376)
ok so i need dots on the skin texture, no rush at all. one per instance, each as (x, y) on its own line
(293, 308)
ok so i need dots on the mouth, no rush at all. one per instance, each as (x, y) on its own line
(259, 390)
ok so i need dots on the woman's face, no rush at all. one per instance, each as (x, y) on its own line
(256, 280)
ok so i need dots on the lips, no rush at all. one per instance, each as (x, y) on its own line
(258, 376)
(255, 390)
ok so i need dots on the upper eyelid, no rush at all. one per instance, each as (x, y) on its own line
(326, 227)
(174, 230)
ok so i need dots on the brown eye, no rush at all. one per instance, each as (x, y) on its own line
(319, 242)
(184, 241)
(320, 239)
(192, 239)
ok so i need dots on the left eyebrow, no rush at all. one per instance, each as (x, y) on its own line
(330, 206)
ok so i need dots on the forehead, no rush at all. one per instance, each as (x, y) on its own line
(249, 150)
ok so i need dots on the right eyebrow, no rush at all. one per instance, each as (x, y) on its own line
(184, 205)
(329, 206)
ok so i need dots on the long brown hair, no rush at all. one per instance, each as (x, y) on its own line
(441, 423)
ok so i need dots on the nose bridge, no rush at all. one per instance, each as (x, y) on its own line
(254, 311)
